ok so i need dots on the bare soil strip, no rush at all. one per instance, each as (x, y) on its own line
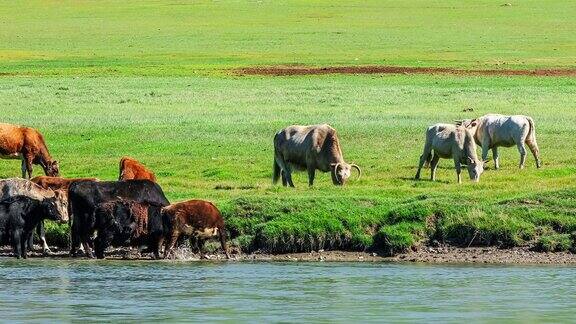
(304, 70)
(442, 254)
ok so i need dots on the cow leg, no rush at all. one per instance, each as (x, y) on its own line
(423, 159)
(193, 244)
(535, 151)
(41, 231)
(200, 243)
(284, 182)
(29, 160)
(420, 165)
(88, 246)
(17, 243)
(458, 168)
(433, 166)
(30, 241)
(496, 157)
(486, 147)
(522, 150)
(23, 167)
(286, 171)
(222, 234)
(289, 178)
(102, 242)
(24, 242)
(311, 175)
(75, 243)
(170, 244)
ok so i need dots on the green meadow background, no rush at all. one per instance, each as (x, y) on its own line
(157, 80)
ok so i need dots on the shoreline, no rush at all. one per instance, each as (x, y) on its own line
(433, 255)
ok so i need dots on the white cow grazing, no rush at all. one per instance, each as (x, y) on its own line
(492, 130)
(451, 141)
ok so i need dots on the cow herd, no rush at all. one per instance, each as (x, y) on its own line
(134, 210)
(131, 211)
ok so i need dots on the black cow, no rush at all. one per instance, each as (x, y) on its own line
(19, 215)
(120, 222)
(87, 196)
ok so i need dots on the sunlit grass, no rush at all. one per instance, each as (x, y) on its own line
(211, 138)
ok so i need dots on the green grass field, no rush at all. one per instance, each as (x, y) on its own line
(152, 80)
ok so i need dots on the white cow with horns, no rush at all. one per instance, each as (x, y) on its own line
(309, 148)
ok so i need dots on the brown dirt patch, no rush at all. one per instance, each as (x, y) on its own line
(441, 254)
(371, 69)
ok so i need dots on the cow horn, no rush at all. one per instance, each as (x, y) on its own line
(357, 168)
(336, 172)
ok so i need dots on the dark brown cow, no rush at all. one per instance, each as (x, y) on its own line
(54, 183)
(130, 169)
(27, 144)
(197, 219)
(120, 222)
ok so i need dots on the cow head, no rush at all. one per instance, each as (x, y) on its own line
(52, 169)
(475, 169)
(56, 208)
(341, 172)
(467, 123)
(126, 225)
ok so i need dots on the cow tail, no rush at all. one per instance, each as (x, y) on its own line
(532, 132)
(276, 172)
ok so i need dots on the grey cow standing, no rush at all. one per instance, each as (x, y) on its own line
(492, 131)
(309, 148)
(451, 141)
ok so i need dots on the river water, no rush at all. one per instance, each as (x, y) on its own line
(86, 290)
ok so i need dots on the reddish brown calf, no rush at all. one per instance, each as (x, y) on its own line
(194, 218)
(131, 169)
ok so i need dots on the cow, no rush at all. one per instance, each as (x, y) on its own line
(130, 169)
(27, 144)
(309, 148)
(451, 141)
(86, 196)
(197, 219)
(119, 222)
(492, 131)
(23, 205)
(58, 183)
(53, 183)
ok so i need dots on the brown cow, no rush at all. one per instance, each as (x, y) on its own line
(131, 169)
(197, 219)
(27, 144)
(54, 183)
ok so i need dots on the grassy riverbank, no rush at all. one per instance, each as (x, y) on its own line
(155, 80)
(211, 138)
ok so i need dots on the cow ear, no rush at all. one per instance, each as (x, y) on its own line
(470, 160)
